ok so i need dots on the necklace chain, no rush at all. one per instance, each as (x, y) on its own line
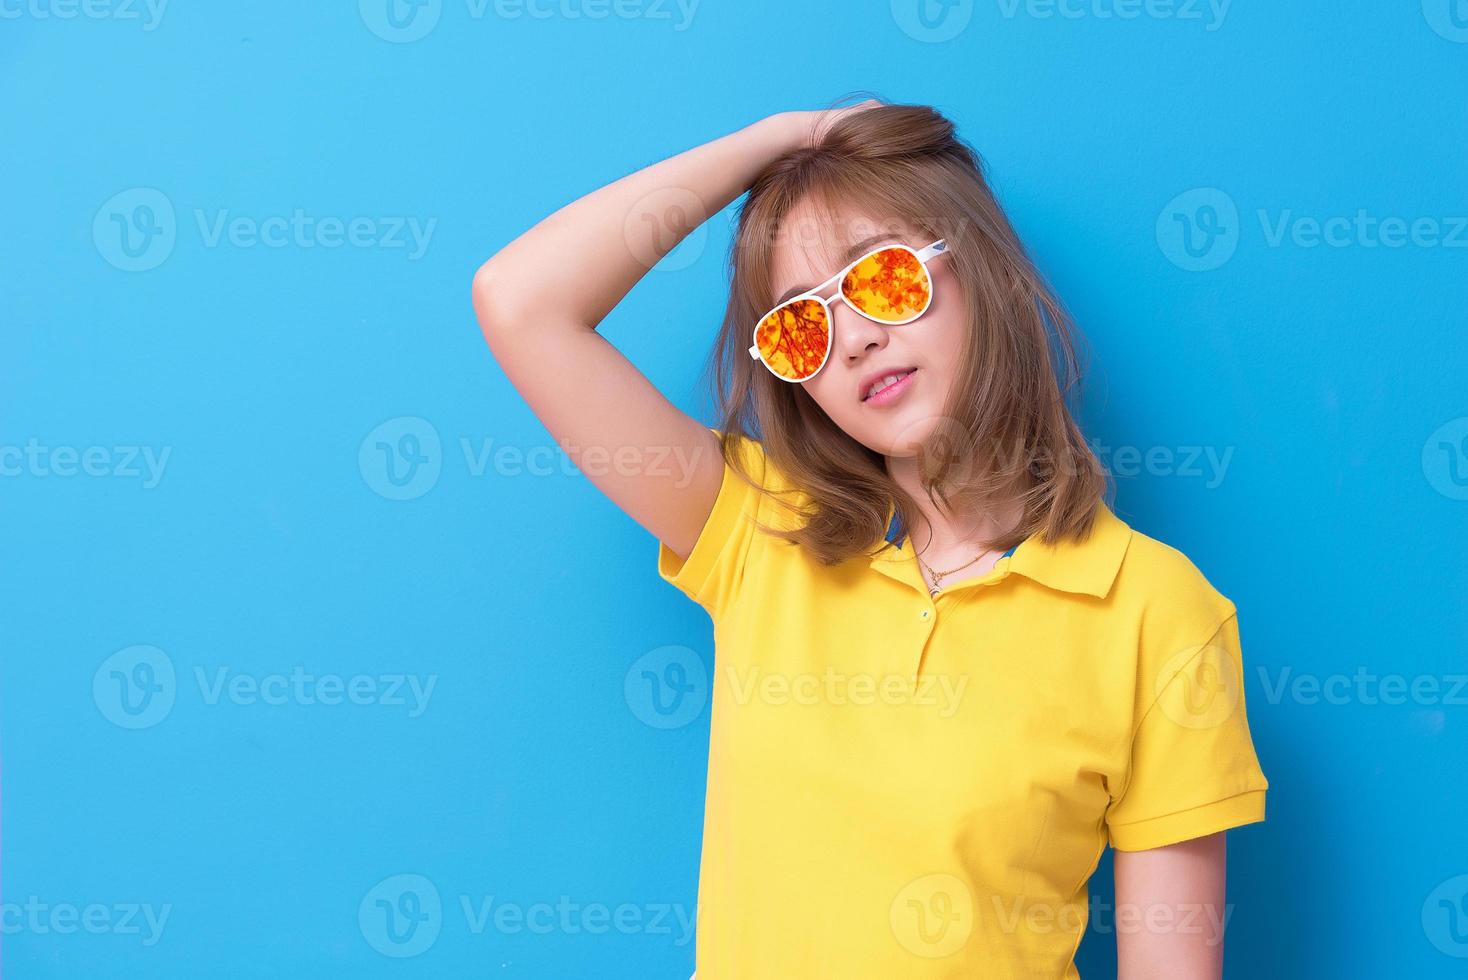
(939, 576)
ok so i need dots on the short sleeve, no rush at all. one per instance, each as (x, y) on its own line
(1193, 770)
(711, 573)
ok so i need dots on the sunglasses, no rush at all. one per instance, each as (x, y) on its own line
(890, 285)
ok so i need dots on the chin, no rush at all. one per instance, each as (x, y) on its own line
(905, 432)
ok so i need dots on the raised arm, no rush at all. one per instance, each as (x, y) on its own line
(541, 297)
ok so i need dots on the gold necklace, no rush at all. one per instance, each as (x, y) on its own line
(938, 576)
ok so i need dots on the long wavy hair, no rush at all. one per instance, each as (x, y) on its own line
(1007, 434)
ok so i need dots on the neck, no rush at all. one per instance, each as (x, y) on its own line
(933, 530)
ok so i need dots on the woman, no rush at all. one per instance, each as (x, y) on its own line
(947, 676)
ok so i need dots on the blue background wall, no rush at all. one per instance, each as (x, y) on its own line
(266, 823)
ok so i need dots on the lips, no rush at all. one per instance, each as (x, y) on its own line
(876, 384)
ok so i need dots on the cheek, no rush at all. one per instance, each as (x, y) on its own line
(940, 347)
(826, 390)
(943, 324)
(937, 338)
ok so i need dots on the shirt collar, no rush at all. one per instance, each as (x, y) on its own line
(1087, 566)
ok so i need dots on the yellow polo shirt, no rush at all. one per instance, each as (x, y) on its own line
(902, 786)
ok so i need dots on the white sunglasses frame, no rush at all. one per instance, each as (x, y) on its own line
(818, 293)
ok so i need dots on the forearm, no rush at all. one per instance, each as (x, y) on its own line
(577, 264)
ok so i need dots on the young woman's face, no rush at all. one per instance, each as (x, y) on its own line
(809, 251)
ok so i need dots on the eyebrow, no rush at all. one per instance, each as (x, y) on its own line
(852, 253)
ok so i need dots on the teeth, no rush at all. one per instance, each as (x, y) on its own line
(884, 382)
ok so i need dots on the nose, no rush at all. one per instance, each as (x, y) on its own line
(854, 336)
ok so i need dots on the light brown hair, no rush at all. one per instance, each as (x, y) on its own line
(1007, 434)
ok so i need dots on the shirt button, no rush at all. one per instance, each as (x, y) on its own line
(925, 613)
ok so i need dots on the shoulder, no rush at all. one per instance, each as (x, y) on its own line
(1173, 598)
(766, 479)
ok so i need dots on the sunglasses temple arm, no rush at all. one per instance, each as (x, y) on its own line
(937, 248)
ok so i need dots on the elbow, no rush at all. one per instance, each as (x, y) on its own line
(505, 301)
(489, 295)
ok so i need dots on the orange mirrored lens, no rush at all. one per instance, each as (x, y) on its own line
(793, 339)
(890, 285)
